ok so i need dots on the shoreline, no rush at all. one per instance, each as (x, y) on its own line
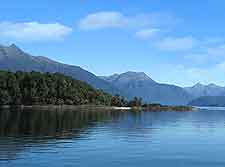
(77, 107)
(64, 107)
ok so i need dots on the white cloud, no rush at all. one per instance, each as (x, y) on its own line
(102, 20)
(33, 31)
(147, 33)
(177, 44)
(113, 19)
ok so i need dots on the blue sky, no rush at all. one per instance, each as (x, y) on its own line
(178, 42)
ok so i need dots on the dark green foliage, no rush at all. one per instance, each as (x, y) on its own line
(136, 102)
(30, 88)
(159, 107)
(116, 101)
(4, 97)
(34, 88)
(152, 105)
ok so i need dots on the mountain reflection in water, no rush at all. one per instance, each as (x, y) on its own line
(93, 137)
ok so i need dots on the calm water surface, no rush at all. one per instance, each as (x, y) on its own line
(112, 138)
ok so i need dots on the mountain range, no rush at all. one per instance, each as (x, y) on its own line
(199, 90)
(140, 85)
(12, 58)
(214, 101)
(128, 84)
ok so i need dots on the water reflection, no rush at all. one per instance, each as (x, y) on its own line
(58, 123)
(27, 128)
(111, 138)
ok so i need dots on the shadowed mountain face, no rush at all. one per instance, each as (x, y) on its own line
(13, 58)
(199, 90)
(141, 85)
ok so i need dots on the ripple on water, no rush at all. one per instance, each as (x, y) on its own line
(112, 138)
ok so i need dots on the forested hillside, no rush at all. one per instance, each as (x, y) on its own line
(30, 88)
(13, 59)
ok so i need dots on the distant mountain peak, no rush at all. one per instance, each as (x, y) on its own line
(138, 76)
(10, 51)
(114, 75)
(199, 84)
(211, 89)
(14, 47)
(134, 73)
(139, 84)
(129, 77)
(212, 85)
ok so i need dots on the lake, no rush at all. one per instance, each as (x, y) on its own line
(105, 138)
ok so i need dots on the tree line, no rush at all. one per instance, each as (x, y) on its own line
(34, 88)
(30, 88)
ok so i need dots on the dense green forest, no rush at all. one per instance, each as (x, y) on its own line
(34, 88)
(30, 88)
